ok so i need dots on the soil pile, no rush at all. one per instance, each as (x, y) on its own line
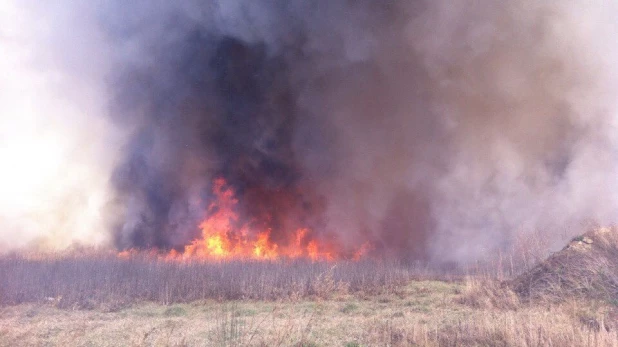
(586, 268)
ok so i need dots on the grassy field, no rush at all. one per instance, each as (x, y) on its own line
(569, 299)
(420, 313)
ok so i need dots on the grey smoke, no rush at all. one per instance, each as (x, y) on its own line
(437, 130)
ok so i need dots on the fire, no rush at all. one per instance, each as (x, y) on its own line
(225, 237)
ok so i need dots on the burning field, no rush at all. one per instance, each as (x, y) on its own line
(300, 151)
(421, 131)
(225, 237)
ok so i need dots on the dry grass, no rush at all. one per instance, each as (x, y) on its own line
(486, 293)
(587, 268)
(93, 281)
(568, 300)
(423, 313)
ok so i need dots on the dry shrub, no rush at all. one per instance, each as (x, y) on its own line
(590, 314)
(326, 287)
(464, 335)
(488, 294)
(388, 333)
(110, 283)
(586, 268)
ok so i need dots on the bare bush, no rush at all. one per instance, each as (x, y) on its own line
(488, 294)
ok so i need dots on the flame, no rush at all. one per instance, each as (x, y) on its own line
(224, 237)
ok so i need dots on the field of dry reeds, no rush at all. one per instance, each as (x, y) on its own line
(570, 299)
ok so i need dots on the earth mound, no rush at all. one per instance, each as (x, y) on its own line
(586, 268)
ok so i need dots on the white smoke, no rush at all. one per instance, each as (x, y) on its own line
(56, 147)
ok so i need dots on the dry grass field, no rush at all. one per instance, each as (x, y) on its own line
(570, 299)
(421, 313)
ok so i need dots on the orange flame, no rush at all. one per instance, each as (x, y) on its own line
(224, 238)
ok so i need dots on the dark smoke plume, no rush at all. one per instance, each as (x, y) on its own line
(436, 130)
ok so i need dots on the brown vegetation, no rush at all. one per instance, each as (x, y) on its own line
(568, 300)
(422, 313)
(587, 268)
(90, 281)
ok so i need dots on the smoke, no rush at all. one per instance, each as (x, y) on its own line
(56, 144)
(436, 130)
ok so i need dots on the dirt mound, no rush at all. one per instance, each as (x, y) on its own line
(586, 268)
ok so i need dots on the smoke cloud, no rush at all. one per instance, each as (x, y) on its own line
(436, 130)
(56, 144)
